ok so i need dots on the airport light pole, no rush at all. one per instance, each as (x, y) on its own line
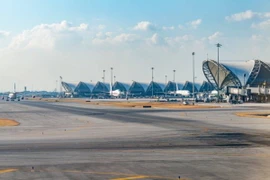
(193, 55)
(152, 81)
(218, 46)
(244, 80)
(56, 83)
(60, 95)
(174, 75)
(165, 79)
(103, 76)
(174, 82)
(111, 76)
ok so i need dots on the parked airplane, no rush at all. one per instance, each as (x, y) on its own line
(13, 96)
(115, 93)
(178, 92)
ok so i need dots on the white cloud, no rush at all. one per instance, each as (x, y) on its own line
(266, 15)
(241, 16)
(156, 40)
(180, 26)
(168, 28)
(107, 38)
(47, 36)
(109, 34)
(246, 15)
(262, 25)
(125, 38)
(99, 35)
(145, 26)
(101, 27)
(214, 37)
(255, 37)
(194, 24)
(174, 41)
(4, 34)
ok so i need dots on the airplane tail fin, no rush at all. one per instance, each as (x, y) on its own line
(110, 88)
(14, 87)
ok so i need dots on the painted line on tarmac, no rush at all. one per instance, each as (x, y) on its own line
(133, 176)
(2, 171)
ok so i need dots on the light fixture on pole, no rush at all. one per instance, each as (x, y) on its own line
(103, 76)
(244, 85)
(174, 82)
(152, 81)
(165, 79)
(56, 83)
(61, 79)
(218, 87)
(193, 83)
(111, 76)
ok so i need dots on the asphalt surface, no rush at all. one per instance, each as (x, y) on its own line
(72, 141)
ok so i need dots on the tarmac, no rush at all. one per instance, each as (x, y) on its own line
(77, 141)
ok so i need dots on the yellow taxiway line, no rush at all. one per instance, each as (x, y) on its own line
(131, 178)
(128, 176)
(2, 171)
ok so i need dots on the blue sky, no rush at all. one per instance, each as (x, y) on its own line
(84, 37)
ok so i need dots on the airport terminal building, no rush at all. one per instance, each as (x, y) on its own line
(249, 79)
(252, 76)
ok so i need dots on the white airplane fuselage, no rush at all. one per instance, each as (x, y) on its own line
(116, 93)
(181, 92)
(12, 96)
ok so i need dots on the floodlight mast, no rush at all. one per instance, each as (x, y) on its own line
(193, 54)
(218, 87)
(174, 82)
(152, 82)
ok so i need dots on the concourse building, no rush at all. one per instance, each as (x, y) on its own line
(84, 89)
(155, 88)
(188, 86)
(171, 86)
(101, 89)
(248, 80)
(206, 87)
(137, 89)
(69, 87)
(252, 73)
(123, 87)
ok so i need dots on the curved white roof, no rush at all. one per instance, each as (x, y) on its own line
(70, 86)
(240, 68)
(89, 85)
(180, 85)
(126, 85)
(144, 85)
(161, 85)
(107, 85)
(198, 85)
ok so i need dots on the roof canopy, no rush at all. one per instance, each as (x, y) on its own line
(252, 73)
(123, 87)
(155, 88)
(69, 87)
(206, 87)
(171, 86)
(138, 88)
(84, 88)
(188, 86)
(101, 88)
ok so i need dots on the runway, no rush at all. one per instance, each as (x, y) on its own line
(73, 141)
